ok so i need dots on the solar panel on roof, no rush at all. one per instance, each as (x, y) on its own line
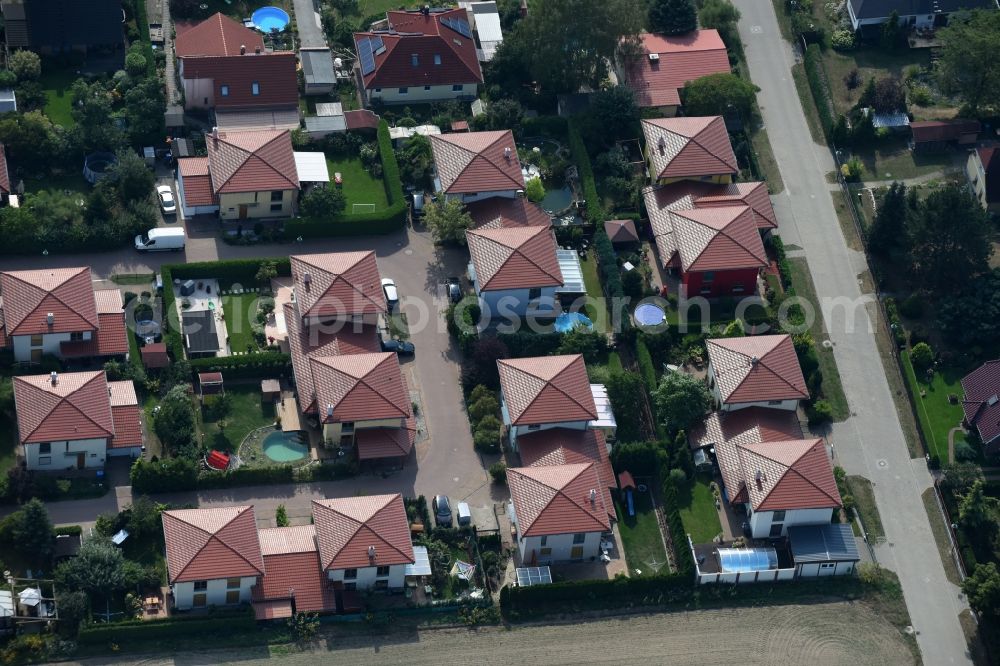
(461, 26)
(378, 46)
(528, 576)
(366, 56)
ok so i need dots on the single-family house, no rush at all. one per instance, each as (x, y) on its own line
(470, 166)
(56, 311)
(981, 404)
(983, 172)
(752, 425)
(558, 512)
(422, 56)
(688, 194)
(515, 270)
(293, 580)
(716, 250)
(246, 175)
(60, 26)
(75, 420)
(213, 556)
(664, 64)
(362, 400)
(934, 135)
(912, 13)
(780, 484)
(543, 392)
(694, 148)
(755, 371)
(364, 542)
(499, 212)
(224, 66)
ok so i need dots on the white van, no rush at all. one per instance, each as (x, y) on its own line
(160, 239)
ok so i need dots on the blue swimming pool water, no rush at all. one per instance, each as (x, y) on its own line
(567, 321)
(267, 19)
(648, 314)
(284, 446)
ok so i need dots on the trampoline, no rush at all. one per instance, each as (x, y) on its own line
(567, 321)
(267, 19)
(648, 314)
(741, 560)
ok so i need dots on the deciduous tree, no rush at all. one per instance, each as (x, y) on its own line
(681, 400)
(983, 589)
(672, 17)
(968, 59)
(26, 65)
(323, 203)
(98, 569)
(716, 94)
(448, 220)
(951, 239)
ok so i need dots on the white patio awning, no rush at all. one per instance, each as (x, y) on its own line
(422, 565)
(312, 167)
(605, 416)
(572, 272)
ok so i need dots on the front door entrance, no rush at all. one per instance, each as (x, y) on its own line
(81, 460)
(243, 211)
(576, 553)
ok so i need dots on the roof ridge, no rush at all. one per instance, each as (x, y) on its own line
(550, 383)
(791, 468)
(215, 536)
(724, 231)
(46, 292)
(385, 400)
(65, 400)
(695, 140)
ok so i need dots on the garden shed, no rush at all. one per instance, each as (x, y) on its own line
(211, 383)
(270, 390)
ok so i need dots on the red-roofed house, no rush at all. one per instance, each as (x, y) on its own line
(364, 542)
(56, 311)
(515, 270)
(504, 212)
(423, 56)
(293, 581)
(981, 403)
(247, 175)
(75, 420)
(689, 148)
(686, 194)
(213, 556)
(756, 371)
(717, 250)
(558, 511)
(470, 166)
(545, 392)
(983, 172)
(782, 484)
(666, 63)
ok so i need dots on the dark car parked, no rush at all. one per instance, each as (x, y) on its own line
(442, 510)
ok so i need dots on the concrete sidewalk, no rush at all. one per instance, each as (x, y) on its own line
(870, 443)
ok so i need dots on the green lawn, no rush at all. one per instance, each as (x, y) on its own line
(240, 311)
(592, 280)
(893, 159)
(56, 83)
(641, 536)
(697, 507)
(934, 412)
(72, 181)
(359, 186)
(864, 497)
(246, 413)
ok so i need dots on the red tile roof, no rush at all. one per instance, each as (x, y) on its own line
(293, 575)
(546, 389)
(990, 157)
(251, 161)
(782, 476)
(205, 544)
(78, 406)
(4, 176)
(753, 194)
(746, 426)
(682, 58)
(943, 130)
(337, 284)
(444, 57)
(374, 443)
(621, 231)
(514, 258)
(565, 446)
(557, 499)
(306, 341)
(757, 369)
(981, 404)
(125, 414)
(710, 239)
(287, 540)
(274, 73)
(112, 335)
(155, 355)
(689, 147)
(361, 119)
(497, 212)
(472, 162)
(218, 35)
(347, 528)
(193, 171)
(270, 609)
(360, 387)
(29, 296)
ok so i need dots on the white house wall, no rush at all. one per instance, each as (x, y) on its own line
(191, 211)
(561, 545)
(787, 405)
(516, 431)
(216, 592)
(63, 455)
(760, 521)
(50, 344)
(199, 93)
(422, 93)
(816, 569)
(368, 575)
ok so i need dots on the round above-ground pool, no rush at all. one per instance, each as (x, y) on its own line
(284, 447)
(648, 314)
(567, 321)
(267, 19)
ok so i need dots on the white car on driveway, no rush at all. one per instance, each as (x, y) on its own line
(166, 197)
(391, 295)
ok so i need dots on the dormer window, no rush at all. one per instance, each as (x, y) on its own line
(224, 91)
(255, 88)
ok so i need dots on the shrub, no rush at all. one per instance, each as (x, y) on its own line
(486, 406)
(535, 190)
(912, 307)
(964, 452)
(816, 75)
(645, 361)
(281, 516)
(819, 413)
(852, 79)
(498, 472)
(480, 392)
(922, 357)
(594, 214)
(852, 169)
(842, 40)
(487, 435)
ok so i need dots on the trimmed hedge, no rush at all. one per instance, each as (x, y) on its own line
(245, 366)
(384, 221)
(175, 474)
(784, 268)
(163, 476)
(569, 596)
(683, 560)
(645, 361)
(69, 530)
(243, 271)
(816, 75)
(138, 631)
(595, 213)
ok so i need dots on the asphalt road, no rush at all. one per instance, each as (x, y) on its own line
(871, 441)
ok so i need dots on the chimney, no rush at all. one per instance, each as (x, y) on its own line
(760, 478)
(54, 377)
(662, 144)
(371, 554)
(215, 136)
(243, 49)
(329, 410)
(256, 50)
(50, 318)
(593, 496)
(754, 361)
(307, 279)
(426, 10)
(506, 153)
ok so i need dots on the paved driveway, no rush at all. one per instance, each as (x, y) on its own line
(871, 442)
(445, 462)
